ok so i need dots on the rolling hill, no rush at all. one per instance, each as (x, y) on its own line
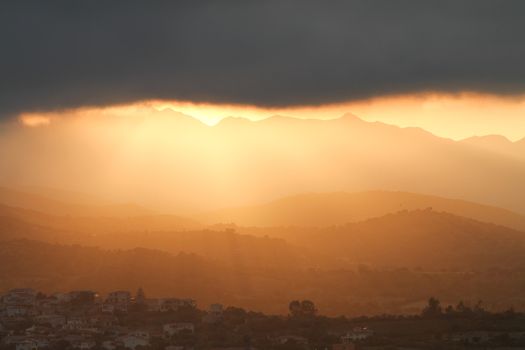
(380, 265)
(33, 201)
(53, 267)
(425, 239)
(220, 245)
(327, 209)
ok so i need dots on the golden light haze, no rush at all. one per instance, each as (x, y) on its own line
(455, 116)
(158, 154)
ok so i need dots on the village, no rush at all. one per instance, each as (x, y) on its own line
(31, 320)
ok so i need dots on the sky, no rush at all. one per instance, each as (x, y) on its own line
(84, 87)
(270, 55)
(455, 116)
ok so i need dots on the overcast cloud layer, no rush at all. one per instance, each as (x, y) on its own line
(60, 54)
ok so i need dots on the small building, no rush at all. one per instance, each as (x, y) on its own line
(107, 308)
(109, 345)
(347, 346)
(54, 321)
(214, 314)
(131, 341)
(24, 342)
(19, 310)
(20, 296)
(62, 298)
(170, 329)
(84, 345)
(76, 323)
(83, 297)
(473, 337)
(289, 338)
(117, 301)
(356, 334)
(119, 297)
(152, 305)
(26, 345)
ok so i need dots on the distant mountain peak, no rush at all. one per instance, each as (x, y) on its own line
(173, 115)
(489, 138)
(349, 117)
(233, 120)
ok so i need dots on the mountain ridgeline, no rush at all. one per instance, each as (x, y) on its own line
(172, 163)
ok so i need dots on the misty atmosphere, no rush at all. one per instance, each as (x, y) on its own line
(279, 175)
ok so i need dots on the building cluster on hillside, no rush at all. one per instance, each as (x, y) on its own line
(81, 319)
(84, 320)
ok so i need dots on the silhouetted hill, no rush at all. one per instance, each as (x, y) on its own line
(414, 239)
(366, 290)
(52, 267)
(64, 196)
(100, 224)
(327, 209)
(31, 201)
(226, 246)
(498, 144)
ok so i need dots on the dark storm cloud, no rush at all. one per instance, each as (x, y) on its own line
(272, 53)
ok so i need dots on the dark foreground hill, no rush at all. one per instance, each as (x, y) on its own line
(423, 239)
(50, 267)
(64, 267)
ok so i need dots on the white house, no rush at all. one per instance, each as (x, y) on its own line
(76, 323)
(283, 339)
(131, 341)
(109, 345)
(119, 299)
(20, 296)
(358, 333)
(85, 345)
(171, 329)
(19, 310)
(54, 321)
(108, 308)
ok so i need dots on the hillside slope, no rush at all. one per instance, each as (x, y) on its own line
(327, 209)
(413, 239)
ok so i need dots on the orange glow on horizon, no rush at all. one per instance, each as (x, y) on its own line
(35, 120)
(455, 116)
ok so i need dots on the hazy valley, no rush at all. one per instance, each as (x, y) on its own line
(391, 252)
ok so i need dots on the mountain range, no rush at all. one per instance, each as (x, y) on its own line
(172, 163)
(498, 144)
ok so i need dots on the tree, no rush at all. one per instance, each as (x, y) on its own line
(308, 308)
(302, 308)
(433, 309)
(463, 310)
(295, 308)
(140, 298)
